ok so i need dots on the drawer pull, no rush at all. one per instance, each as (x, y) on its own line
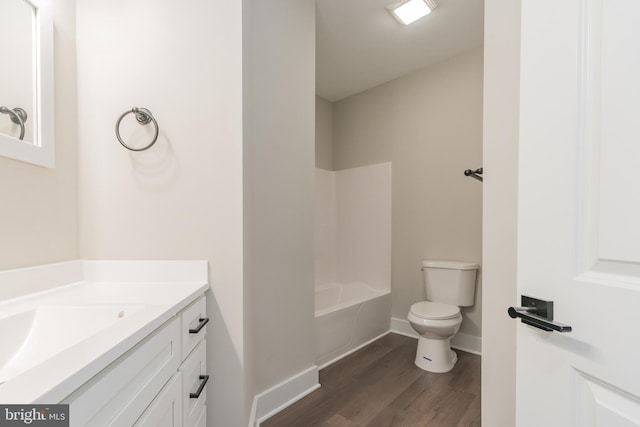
(200, 325)
(198, 392)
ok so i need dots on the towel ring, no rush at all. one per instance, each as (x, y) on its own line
(18, 116)
(144, 117)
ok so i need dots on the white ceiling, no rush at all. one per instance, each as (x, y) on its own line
(359, 45)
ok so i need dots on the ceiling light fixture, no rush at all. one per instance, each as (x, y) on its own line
(408, 11)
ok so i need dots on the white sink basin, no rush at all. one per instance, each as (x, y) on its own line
(33, 336)
(62, 324)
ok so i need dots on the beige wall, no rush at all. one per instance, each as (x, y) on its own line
(324, 134)
(501, 105)
(429, 125)
(181, 199)
(279, 188)
(38, 218)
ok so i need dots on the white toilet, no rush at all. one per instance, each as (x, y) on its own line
(450, 285)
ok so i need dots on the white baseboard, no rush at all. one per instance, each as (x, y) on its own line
(462, 341)
(402, 327)
(353, 350)
(273, 400)
(468, 343)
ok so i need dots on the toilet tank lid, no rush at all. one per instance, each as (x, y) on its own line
(451, 265)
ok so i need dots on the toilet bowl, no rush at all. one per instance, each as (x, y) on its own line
(449, 285)
(435, 324)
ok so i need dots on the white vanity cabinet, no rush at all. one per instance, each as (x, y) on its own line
(165, 410)
(194, 366)
(161, 381)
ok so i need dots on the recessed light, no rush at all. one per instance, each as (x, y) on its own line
(408, 11)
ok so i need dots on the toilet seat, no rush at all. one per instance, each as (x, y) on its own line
(434, 310)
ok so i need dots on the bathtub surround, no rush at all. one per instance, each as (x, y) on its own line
(353, 226)
(429, 124)
(348, 317)
(324, 237)
(352, 259)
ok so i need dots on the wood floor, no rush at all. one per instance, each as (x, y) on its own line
(379, 386)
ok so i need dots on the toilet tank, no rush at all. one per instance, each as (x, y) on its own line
(450, 282)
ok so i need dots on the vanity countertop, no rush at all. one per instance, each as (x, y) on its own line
(58, 337)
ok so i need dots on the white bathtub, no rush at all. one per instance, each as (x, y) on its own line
(348, 316)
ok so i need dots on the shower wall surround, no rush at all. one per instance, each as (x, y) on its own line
(353, 226)
(352, 259)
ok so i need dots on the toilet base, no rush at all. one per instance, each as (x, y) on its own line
(435, 355)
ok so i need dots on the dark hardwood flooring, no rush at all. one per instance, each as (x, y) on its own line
(380, 386)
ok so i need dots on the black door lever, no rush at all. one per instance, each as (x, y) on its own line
(537, 313)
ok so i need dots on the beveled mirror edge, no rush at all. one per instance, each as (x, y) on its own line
(42, 152)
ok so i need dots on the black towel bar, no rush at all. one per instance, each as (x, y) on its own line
(474, 173)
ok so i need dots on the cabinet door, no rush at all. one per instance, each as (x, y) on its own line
(121, 392)
(192, 369)
(202, 419)
(193, 319)
(166, 408)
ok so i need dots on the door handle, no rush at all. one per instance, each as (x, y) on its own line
(537, 313)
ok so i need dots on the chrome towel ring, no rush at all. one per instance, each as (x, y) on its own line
(18, 116)
(144, 117)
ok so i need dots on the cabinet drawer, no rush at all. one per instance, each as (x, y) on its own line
(121, 392)
(202, 419)
(193, 368)
(192, 319)
(166, 408)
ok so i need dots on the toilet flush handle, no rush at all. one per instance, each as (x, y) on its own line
(537, 313)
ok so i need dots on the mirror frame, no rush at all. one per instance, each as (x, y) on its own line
(42, 151)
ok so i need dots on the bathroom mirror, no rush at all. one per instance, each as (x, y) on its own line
(26, 84)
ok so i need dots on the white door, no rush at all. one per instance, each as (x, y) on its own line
(579, 212)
